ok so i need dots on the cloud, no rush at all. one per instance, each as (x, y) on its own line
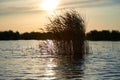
(88, 3)
(14, 9)
(79, 2)
(19, 10)
(20, 6)
(2, 1)
(116, 1)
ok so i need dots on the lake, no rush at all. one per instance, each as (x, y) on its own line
(32, 60)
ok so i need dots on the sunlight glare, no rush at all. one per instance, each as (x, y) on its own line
(49, 5)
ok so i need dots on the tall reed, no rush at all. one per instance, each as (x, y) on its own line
(68, 34)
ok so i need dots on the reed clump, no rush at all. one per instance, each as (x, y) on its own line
(68, 33)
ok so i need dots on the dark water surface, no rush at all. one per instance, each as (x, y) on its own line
(32, 60)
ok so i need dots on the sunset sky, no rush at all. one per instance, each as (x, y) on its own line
(30, 15)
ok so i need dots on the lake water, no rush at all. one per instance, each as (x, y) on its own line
(29, 60)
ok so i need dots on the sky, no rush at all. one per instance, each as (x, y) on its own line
(29, 15)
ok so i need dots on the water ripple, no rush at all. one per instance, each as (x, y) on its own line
(32, 60)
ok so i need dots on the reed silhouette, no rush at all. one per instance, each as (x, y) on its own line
(69, 34)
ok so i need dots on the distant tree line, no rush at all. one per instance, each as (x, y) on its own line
(10, 35)
(104, 35)
(94, 35)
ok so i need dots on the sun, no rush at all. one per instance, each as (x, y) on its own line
(49, 5)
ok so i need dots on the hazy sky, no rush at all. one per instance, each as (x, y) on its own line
(27, 15)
